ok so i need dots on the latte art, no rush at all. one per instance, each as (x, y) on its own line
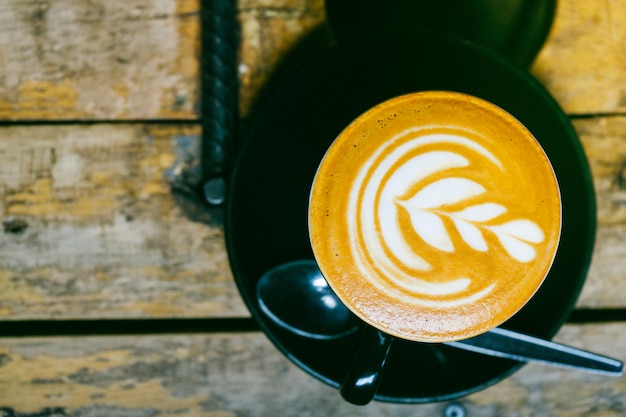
(379, 196)
(441, 216)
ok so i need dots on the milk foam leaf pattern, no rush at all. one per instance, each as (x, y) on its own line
(431, 229)
(514, 236)
(427, 211)
(445, 191)
(471, 235)
(477, 213)
(481, 212)
(427, 222)
(518, 250)
(521, 229)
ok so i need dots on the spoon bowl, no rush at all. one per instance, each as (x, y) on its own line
(296, 296)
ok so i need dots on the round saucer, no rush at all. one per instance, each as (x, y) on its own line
(266, 212)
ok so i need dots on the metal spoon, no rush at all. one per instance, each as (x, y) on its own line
(296, 297)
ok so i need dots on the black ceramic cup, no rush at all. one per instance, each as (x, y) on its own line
(515, 29)
(267, 200)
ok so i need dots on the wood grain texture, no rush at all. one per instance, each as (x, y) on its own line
(95, 223)
(103, 233)
(244, 375)
(81, 59)
(103, 229)
(130, 59)
(92, 227)
(583, 63)
(604, 141)
(270, 30)
(134, 59)
(139, 59)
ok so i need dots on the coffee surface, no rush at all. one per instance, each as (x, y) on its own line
(435, 216)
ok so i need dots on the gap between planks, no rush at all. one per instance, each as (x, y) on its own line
(34, 328)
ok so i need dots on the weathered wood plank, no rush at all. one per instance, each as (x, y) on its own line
(243, 374)
(583, 63)
(93, 229)
(130, 59)
(269, 30)
(139, 60)
(604, 141)
(120, 59)
(102, 234)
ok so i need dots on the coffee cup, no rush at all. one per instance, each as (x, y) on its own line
(280, 152)
(434, 216)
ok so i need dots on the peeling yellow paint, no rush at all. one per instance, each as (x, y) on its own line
(153, 161)
(165, 160)
(169, 131)
(31, 384)
(6, 109)
(46, 381)
(102, 276)
(187, 6)
(174, 307)
(266, 40)
(150, 270)
(589, 37)
(41, 200)
(39, 99)
(15, 291)
(100, 178)
(179, 101)
(103, 182)
(121, 89)
(152, 309)
(154, 189)
(153, 166)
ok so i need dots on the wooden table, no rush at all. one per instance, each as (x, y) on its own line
(99, 117)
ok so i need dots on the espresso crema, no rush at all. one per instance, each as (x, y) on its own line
(435, 216)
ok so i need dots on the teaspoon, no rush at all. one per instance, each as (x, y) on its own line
(296, 297)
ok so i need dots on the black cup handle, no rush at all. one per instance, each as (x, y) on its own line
(220, 90)
(361, 383)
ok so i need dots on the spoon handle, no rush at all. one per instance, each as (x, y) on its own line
(511, 345)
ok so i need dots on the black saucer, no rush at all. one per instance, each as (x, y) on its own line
(266, 217)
